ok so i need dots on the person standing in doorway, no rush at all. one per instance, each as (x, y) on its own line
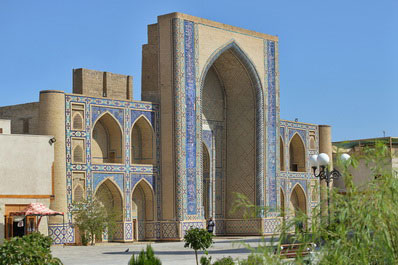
(210, 225)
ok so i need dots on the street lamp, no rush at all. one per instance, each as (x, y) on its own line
(322, 160)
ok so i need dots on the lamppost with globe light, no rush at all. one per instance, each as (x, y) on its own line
(322, 160)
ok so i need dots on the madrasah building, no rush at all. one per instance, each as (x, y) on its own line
(207, 127)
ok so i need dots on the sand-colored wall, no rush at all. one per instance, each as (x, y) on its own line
(22, 113)
(23, 171)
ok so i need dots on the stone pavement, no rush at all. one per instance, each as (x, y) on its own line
(172, 253)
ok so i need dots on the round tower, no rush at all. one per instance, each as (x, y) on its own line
(325, 146)
(52, 122)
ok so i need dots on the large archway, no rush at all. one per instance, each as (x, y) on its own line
(232, 106)
(142, 142)
(106, 144)
(297, 154)
(142, 207)
(110, 196)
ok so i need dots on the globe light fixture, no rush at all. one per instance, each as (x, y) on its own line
(322, 161)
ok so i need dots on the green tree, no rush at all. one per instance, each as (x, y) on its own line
(198, 239)
(93, 219)
(145, 258)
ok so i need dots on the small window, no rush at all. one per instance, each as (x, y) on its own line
(78, 154)
(1, 130)
(77, 122)
(78, 194)
(25, 126)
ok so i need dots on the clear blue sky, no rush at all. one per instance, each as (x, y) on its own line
(338, 59)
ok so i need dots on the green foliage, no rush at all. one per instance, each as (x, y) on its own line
(145, 258)
(93, 219)
(363, 225)
(32, 249)
(223, 261)
(198, 239)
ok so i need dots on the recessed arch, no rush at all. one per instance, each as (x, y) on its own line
(109, 194)
(107, 140)
(206, 195)
(297, 160)
(298, 200)
(244, 104)
(78, 154)
(281, 154)
(77, 122)
(142, 205)
(78, 193)
(143, 141)
(282, 202)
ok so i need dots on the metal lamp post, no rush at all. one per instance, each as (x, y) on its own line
(322, 160)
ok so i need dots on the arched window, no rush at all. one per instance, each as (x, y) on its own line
(297, 154)
(107, 141)
(78, 194)
(282, 154)
(142, 142)
(77, 123)
(78, 154)
(312, 142)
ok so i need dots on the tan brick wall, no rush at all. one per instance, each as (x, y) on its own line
(102, 84)
(21, 114)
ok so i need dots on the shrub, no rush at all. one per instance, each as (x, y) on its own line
(198, 239)
(224, 261)
(32, 249)
(92, 219)
(145, 258)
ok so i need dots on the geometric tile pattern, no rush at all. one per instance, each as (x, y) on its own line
(57, 232)
(287, 179)
(272, 117)
(125, 113)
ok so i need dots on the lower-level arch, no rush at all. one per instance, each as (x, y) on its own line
(298, 201)
(142, 207)
(109, 195)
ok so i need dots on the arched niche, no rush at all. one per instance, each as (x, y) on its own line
(111, 197)
(77, 122)
(232, 97)
(142, 142)
(206, 182)
(281, 154)
(142, 205)
(297, 154)
(298, 201)
(282, 200)
(107, 141)
(78, 154)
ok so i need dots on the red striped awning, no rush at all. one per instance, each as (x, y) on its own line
(36, 209)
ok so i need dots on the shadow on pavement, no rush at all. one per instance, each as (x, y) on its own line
(224, 251)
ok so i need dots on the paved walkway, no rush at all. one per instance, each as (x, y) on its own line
(172, 253)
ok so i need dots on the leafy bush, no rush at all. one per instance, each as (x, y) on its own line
(145, 258)
(32, 249)
(224, 261)
(198, 239)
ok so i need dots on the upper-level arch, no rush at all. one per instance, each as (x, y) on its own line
(297, 154)
(107, 140)
(142, 142)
